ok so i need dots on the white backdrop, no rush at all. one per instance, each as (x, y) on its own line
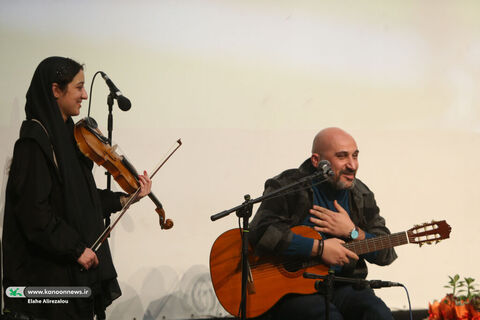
(246, 85)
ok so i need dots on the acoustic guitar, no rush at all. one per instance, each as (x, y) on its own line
(270, 278)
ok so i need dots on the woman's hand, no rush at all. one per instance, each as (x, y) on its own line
(145, 185)
(145, 188)
(88, 259)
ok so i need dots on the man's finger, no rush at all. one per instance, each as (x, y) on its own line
(315, 212)
(324, 215)
(338, 206)
(319, 229)
(328, 213)
(318, 222)
(352, 255)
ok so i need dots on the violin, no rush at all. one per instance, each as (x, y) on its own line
(94, 145)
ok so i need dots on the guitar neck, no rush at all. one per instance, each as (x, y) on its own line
(377, 243)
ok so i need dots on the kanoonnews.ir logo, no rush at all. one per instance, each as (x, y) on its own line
(15, 292)
(48, 292)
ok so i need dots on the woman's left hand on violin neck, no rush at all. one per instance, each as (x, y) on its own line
(145, 185)
(145, 188)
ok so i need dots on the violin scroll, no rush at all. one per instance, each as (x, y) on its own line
(164, 224)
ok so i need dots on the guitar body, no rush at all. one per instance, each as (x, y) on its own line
(270, 279)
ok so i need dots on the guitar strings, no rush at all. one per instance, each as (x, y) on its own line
(378, 243)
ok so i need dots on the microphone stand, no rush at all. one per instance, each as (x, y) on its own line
(325, 286)
(244, 211)
(110, 133)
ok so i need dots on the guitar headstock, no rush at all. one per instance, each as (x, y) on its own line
(429, 233)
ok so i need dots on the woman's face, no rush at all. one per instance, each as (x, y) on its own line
(69, 100)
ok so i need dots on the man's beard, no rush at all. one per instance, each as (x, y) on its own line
(342, 185)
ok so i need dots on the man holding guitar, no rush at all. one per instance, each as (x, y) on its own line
(340, 210)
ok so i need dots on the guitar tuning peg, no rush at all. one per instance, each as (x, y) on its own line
(420, 244)
(437, 241)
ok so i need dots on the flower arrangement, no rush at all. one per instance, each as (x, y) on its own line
(462, 303)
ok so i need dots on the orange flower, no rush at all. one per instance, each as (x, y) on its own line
(461, 311)
(447, 307)
(434, 311)
(474, 313)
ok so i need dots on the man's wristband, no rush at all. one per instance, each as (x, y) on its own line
(320, 248)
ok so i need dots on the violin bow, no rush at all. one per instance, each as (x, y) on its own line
(131, 199)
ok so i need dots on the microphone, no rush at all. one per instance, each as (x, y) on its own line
(325, 167)
(123, 102)
(360, 283)
(376, 284)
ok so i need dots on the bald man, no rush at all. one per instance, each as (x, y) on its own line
(342, 209)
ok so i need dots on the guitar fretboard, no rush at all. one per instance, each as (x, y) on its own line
(377, 243)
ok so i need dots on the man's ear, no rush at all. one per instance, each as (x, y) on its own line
(56, 90)
(315, 158)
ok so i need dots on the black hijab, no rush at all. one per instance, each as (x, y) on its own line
(83, 210)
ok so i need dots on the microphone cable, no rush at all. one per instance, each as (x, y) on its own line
(409, 305)
(91, 87)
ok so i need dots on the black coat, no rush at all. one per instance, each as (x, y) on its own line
(40, 246)
(270, 228)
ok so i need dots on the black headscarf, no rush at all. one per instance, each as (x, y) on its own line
(82, 202)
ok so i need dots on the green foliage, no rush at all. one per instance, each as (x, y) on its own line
(471, 290)
(462, 290)
(454, 284)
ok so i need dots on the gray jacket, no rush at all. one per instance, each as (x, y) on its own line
(270, 228)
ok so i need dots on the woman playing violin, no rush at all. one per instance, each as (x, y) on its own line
(53, 209)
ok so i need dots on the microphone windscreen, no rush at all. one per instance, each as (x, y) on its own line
(325, 167)
(123, 103)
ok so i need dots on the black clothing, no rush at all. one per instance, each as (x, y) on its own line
(347, 303)
(53, 210)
